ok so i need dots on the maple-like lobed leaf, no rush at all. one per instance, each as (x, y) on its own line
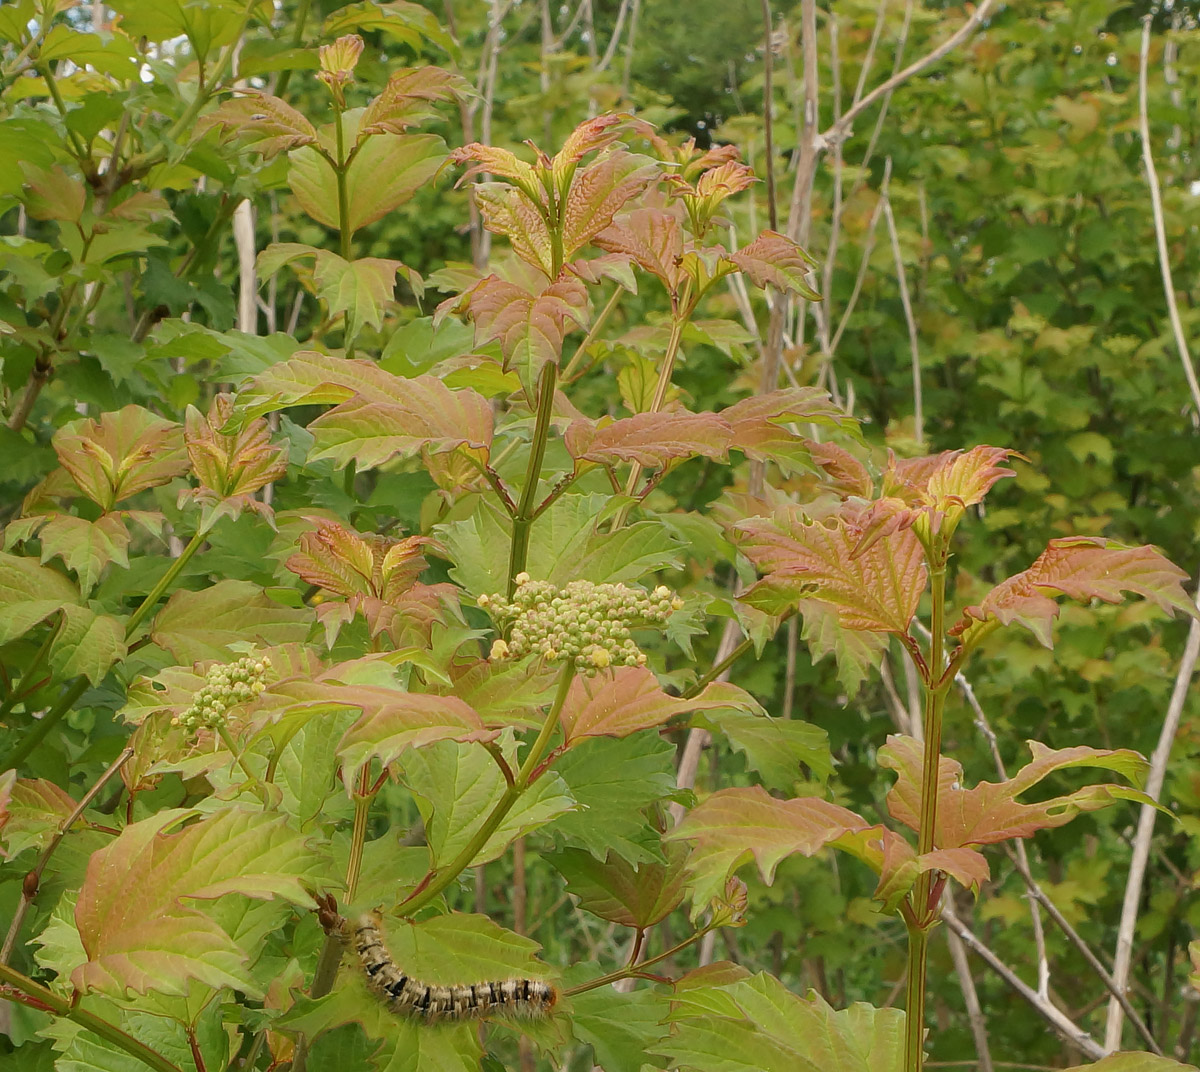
(1083, 568)
(651, 440)
(733, 826)
(775, 259)
(847, 474)
(989, 812)
(120, 453)
(761, 423)
(877, 590)
(393, 722)
(86, 547)
(508, 212)
(313, 378)
(1133, 1062)
(336, 559)
(234, 462)
(598, 192)
(31, 811)
(408, 98)
(422, 414)
(503, 162)
(136, 912)
(592, 135)
(631, 699)
(266, 123)
(202, 625)
(530, 327)
(652, 239)
(630, 895)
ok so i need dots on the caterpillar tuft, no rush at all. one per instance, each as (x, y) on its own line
(521, 998)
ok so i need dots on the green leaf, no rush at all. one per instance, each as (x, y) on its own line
(458, 786)
(87, 643)
(734, 826)
(775, 747)
(615, 890)
(85, 546)
(386, 171)
(770, 1029)
(116, 56)
(31, 810)
(137, 914)
(402, 22)
(29, 594)
(203, 625)
(621, 1028)
(1133, 1062)
(262, 122)
(616, 779)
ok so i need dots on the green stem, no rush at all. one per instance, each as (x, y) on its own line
(923, 915)
(914, 1040)
(343, 191)
(570, 373)
(523, 521)
(62, 1007)
(164, 582)
(37, 733)
(297, 38)
(81, 153)
(636, 969)
(358, 836)
(449, 874)
(16, 694)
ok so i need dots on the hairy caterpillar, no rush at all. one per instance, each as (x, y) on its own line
(527, 998)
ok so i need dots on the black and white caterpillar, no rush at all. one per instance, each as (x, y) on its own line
(524, 998)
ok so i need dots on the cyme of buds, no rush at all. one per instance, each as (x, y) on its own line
(225, 686)
(729, 910)
(584, 623)
(337, 65)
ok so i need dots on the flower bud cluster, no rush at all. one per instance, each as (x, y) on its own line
(225, 686)
(584, 623)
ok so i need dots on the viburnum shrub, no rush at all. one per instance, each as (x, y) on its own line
(309, 769)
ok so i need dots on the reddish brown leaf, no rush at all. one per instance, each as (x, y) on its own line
(266, 123)
(990, 812)
(734, 826)
(423, 414)
(1084, 568)
(630, 699)
(502, 162)
(803, 559)
(530, 327)
(590, 136)
(760, 423)
(509, 212)
(848, 475)
(652, 239)
(650, 439)
(312, 378)
(774, 258)
(120, 453)
(31, 811)
(347, 563)
(406, 100)
(599, 192)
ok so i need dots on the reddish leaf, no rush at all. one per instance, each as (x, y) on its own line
(848, 475)
(990, 812)
(531, 328)
(650, 439)
(347, 563)
(201, 625)
(120, 454)
(502, 162)
(877, 590)
(774, 258)
(652, 239)
(630, 699)
(1084, 568)
(590, 136)
(734, 826)
(599, 192)
(898, 866)
(760, 423)
(616, 890)
(53, 194)
(231, 465)
(510, 213)
(311, 378)
(266, 123)
(422, 414)
(392, 722)
(31, 811)
(406, 101)
(135, 912)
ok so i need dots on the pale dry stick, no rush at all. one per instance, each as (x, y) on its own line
(869, 59)
(1145, 833)
(789, 676)
(966, 982)
(1020, 859)
(1063, 1024)
(900, 713)
(33, 878)
(613, 41)
(563, 37)
(243, 240)
(1160, 230)
(835, 216)
(865, 261)
(881, 118)
(769, 112)
(906, 302)
(630, 42)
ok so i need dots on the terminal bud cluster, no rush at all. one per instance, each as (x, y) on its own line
(584, 623)
(225, 686)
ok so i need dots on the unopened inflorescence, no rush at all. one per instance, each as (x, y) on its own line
(225, 686)
(588, 624)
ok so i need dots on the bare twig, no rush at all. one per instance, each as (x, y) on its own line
(1066, 1028)
(1145, 832)
(769, 110)
(1160, 231)
(906, 302)
(611, 51)
(864, 263)
(243, 238)
(966, 982)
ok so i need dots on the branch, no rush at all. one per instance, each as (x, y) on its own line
(1160, 232)
(1066, 1028)
(902, 280)
(962, 968)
